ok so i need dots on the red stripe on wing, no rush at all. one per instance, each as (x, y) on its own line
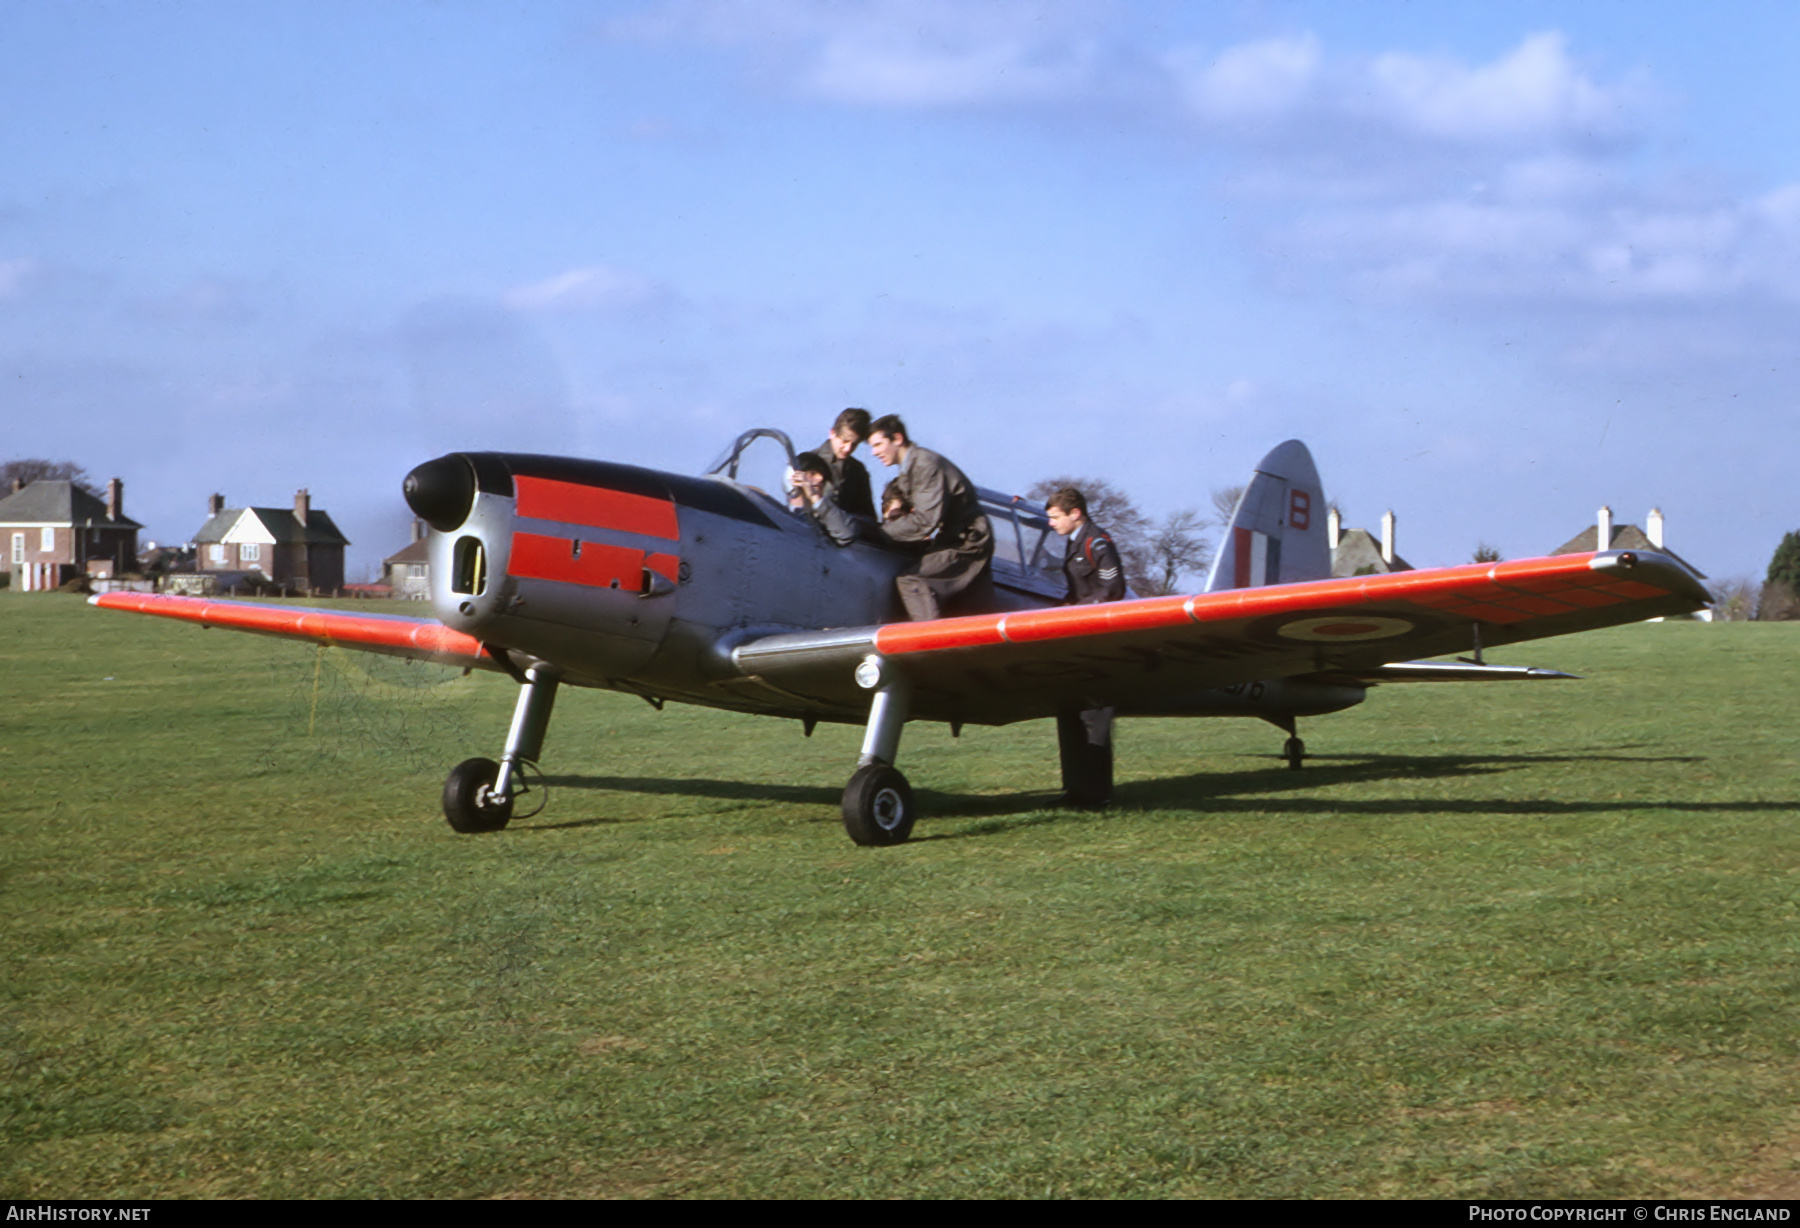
(420, 638)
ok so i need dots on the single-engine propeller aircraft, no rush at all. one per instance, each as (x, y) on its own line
(711, 590)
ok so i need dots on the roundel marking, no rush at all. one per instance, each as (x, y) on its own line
(1344, 628)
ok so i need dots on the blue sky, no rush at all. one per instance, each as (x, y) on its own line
(1496, 263)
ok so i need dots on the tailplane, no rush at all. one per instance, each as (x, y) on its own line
(1277, 530)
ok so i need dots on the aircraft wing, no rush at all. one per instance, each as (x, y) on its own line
(421, 639)
(996, 668)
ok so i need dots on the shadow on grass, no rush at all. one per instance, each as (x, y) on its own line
(1259, 790)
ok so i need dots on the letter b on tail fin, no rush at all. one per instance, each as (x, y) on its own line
(1277, 532)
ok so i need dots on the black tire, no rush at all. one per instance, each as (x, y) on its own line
(467, 803)
(1294, 751)
(878, 806)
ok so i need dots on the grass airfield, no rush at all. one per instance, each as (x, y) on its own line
(1504, 941)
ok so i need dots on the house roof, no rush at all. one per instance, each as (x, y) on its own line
(413, 552)
(1624, 537)
(282, 524)
(58, 501)
(1358, 553)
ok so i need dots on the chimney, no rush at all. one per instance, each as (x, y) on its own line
(115, 500)
(1387, 537)
(18, 485)
(418, 529)
(215, 505)
(1603, 530)
(302, 504)
(1334, 527)
(1653, 527)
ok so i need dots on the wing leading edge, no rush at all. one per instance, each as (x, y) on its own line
(997, 668)
(420, 639)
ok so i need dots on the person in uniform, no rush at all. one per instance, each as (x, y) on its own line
(1091, 561)
(1095, 574)
(849, 480)
(812, 480)
(944, 522)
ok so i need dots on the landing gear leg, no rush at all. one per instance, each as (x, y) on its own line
(1084, 740)
(479, 794)
(878, 803)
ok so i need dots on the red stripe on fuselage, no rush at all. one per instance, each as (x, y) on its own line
(573, 503)
(596, 565)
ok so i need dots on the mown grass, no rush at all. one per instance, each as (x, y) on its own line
(1516, 940)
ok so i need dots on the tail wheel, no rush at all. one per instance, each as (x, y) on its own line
(878, 806)
(1294, 751)
(469, 801)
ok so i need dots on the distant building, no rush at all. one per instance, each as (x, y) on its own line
(296, 550)
(55, 531)
(408, 571)
(1622, 537)
(1357, 552)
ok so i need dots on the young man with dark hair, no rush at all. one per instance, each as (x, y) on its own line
(1095, 574)
(849, 480)
(943, 518)
(1091, 562)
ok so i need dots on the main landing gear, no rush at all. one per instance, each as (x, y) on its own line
(878, 803)
(479, 793)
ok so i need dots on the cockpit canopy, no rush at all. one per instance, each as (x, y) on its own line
(1025, 550)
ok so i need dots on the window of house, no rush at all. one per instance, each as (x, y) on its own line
(217, 553)
(416, 570)
(47, 539)
(250, 553)
(18, 547)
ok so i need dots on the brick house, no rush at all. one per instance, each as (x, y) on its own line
(55, 531)
(296, 548)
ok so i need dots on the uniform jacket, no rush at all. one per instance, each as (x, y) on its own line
(850, 482)
(1092, 566)
(946, 512)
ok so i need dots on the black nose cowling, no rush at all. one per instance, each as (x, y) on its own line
(441, 492)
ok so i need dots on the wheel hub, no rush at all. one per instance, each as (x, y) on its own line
(889, 809)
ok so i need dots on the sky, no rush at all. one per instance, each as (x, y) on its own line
(1496, 264)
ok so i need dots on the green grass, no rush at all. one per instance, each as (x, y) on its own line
(1503, 941)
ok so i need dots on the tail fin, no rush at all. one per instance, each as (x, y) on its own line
(1277, 531)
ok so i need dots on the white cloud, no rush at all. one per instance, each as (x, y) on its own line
(1252, 81)
(1534, 91)
(930, 53)
(595, 288)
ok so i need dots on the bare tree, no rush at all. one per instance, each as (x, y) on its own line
(1485, 553)
(1177, 547)
(32, 470)
(1225, 501)
(1737, 599)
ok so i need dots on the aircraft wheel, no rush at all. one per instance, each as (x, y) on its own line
(1294, 750)
(469, 804)
(878, 806)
